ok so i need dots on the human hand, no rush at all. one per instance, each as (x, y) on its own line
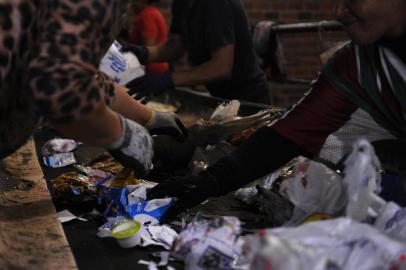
(141, 52)
(150, 84)
(167, 123)
(134, 149)
(189, 191)
(214, 133)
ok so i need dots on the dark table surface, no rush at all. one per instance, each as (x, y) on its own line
(92, 252)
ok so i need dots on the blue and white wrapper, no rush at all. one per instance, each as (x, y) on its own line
(121, 67)
(131, 202)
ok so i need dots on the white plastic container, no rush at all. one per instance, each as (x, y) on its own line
(127, 233)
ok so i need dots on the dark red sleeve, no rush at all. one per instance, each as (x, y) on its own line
(323, 110)
(302, 131)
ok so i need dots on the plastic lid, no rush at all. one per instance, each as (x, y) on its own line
(126, 229)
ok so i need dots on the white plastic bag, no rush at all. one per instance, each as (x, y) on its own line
(334, 244)
(313, 188)
(392, 222)
(121, 67)
(363, 181)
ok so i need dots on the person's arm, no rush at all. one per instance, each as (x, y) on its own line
(129, 107)
(219, 67)
(301, 131)
(171, 50)
(157, 123)
(101, 127)
(69, 90)
(218, 37)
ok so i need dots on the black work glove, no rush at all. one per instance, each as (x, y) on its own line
(134, 148)
(150, 84)
(141, 52)
(189, 191)
(167, 123)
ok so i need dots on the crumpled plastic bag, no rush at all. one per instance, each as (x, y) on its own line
(391, 221)
(334, 244)
(209, 244)
(363, 181)
(121, 67)
(247, 194)
(313, 188)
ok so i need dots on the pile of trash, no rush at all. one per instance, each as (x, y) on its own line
(337, 221)
(321, 218)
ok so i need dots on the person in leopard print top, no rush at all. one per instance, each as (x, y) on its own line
(49, 53)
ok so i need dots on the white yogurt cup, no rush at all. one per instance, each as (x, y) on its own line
(127, 233)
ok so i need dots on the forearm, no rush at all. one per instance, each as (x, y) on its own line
(264, 152)
(100, 127)
(129, 107)
(169, 51)
(218, 68)
(205, 73)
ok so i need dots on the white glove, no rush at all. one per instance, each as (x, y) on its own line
(134, 148)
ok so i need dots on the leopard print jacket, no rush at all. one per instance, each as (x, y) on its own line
(49, 53)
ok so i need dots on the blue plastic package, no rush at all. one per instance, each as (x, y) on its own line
(123, 202)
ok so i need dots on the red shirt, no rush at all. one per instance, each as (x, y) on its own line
(150, 24)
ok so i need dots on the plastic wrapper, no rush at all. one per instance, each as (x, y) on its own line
(314, 188)
(160, 235)
(89, 171)
(125, 178)
(226, 111)
(108, 164)
(131, 202)
(271, 181)
(76, 186)
(209, 244)
(155, 235)
(362, 180)
(60, 160)
(334, 244)
(247, 194)
(106, 229)
(56, 146)
(121, 67)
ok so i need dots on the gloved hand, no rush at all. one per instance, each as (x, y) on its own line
(134, 148)
(167, 123)
(150, 84)
(141, 52)
(189, 191)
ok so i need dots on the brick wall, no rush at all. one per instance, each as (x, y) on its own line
(301, 52)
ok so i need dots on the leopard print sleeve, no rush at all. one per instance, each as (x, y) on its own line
(73, 36)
